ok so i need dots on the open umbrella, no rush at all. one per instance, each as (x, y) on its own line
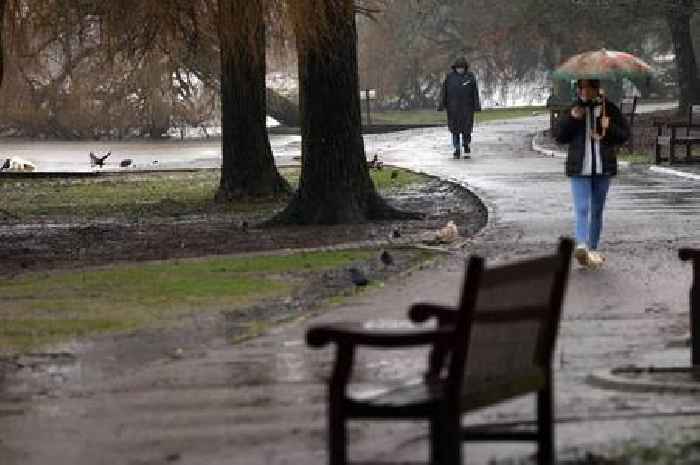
(604, 65)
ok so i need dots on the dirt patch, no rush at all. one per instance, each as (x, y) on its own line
(65, 242)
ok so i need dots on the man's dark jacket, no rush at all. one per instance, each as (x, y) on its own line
(573, 132)
(460, 97)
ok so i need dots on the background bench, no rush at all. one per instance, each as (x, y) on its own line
(671, 134)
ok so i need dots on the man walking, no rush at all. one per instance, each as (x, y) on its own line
(460, 96)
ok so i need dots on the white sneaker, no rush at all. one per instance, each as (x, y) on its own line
(595, 259)
(581, 255)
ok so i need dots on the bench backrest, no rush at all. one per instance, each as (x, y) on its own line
(510, 319)
(628, 106)
(693, 115)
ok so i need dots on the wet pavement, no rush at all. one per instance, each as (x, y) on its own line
(262, 401)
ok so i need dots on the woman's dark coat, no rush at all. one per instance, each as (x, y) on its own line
(573, 132)
(460, 97)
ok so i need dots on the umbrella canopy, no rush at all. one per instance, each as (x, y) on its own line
(603, 64)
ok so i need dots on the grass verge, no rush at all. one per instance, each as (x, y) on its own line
(635, 158)
(152, 195)
(40, 309)
(435, 117)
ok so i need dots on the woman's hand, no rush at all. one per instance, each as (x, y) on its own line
(578, 112)
(605, 122)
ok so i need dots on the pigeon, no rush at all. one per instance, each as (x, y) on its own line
(98, 161)
(357, 278)
(386, 258)
(126, 162)
(395, 233)
(375, 163)
(448, 233)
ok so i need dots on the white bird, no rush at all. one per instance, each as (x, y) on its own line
(16, 164)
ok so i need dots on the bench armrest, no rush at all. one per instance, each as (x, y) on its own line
(686, 254)
(353, 334)
(422, 312)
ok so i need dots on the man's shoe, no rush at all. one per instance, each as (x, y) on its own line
(456, 155)
(581, 255)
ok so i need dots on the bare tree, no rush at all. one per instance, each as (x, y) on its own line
(679, 22)
(248, 165)
(335, 185)
(2, 44)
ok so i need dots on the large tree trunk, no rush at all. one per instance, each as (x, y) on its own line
(2, 45)
(248, 167)
(335, 185)
(679, 23)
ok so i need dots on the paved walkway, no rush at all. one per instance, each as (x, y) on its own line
(262, 402)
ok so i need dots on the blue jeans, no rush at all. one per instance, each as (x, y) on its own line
(466, 138)
(589, 201)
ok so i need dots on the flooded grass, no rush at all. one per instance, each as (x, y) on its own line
(436, 117)
(152, 195)
(42, 308)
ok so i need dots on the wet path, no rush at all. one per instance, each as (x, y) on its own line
(262, 402)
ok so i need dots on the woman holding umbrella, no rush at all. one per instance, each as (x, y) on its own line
(590, 163)
(594, 128)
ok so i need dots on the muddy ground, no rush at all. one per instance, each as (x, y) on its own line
(64, 243)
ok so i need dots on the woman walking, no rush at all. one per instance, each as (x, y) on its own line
(593, 129)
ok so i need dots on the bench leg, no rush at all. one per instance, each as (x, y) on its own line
(437, 441)
(672, 147)
(337, 436)
(545, 425)
(453, 440)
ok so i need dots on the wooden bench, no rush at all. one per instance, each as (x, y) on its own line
(673, 139)
(496, 344)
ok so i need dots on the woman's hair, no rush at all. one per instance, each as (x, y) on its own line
(595, 83)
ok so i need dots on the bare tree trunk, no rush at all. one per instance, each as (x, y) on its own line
(2, 45)
(248, 167)
(335, 185)
(687, 69)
